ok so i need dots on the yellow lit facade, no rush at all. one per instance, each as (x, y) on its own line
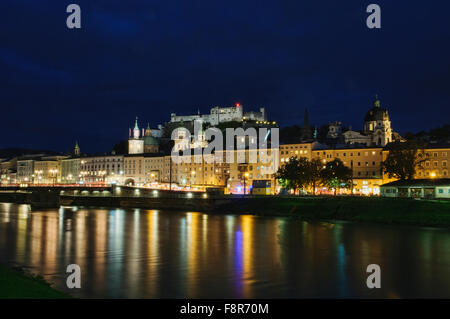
(47, 172)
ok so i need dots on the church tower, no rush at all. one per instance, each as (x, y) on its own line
(377, 124)
(150, 143)
(76, 150)
(135, 141)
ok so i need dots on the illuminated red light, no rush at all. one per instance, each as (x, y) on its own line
(238, 104)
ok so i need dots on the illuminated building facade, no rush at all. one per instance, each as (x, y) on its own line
(8, 171)
(106, 169)
(219, 115)
(377, 130)
(364, 162)
(71, 170)
(135, 141)
(436, 162)
(134, 170)
(47, 172)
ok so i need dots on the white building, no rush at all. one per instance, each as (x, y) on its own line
(377, 128)
(134, 170)
(71, 170)
(135, 141)
(417, 188)
(107, 169)
(222, 115)
(377, 125)
(334, 130)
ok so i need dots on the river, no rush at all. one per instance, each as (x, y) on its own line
(126, 253)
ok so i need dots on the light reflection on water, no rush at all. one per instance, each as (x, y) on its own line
(156, 254)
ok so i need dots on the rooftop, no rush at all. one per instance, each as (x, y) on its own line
(420, 182)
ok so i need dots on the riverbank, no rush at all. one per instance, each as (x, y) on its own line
(401, 211)
(15, 284)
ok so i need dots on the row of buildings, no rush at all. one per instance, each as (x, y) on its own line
(158, 169)
(146, 165)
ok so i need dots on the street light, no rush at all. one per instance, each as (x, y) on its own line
(192, 175)
(53, 175)
(245, 175)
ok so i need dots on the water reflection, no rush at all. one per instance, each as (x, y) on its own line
(152, 254)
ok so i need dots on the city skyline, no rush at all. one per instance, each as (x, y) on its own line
(223, 158)
(65, 85)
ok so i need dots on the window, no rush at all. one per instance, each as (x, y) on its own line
(441, 191)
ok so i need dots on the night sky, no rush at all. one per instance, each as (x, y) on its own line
(150, 58)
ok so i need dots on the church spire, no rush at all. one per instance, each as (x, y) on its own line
(148, 131)
(376, 103)
(76, 150)
(136, 129)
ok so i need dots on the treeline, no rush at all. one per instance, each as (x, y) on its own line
(438, 134)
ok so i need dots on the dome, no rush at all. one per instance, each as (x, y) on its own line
(150, 140)
(376, 113)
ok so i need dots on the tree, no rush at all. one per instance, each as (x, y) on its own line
(121, 148)
(293, 174)
(314, 173)
(336, 175)
(403, 160)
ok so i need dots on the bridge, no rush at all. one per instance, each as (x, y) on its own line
(54, 188)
